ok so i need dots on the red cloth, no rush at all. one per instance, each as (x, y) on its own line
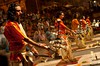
(62, 27)
(88, 21)
(83, 24)
(14, 37)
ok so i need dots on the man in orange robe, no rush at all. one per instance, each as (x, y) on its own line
(16, 36)
(75, 24)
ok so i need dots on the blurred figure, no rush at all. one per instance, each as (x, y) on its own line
(97, 24)
(75, 23)
(3, 41)
(88, 21)
(83, 23)
(89, 29)
(51, 33)
(76, 27)
(3, 46)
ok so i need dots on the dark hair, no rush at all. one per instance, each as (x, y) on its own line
(75, 15)
(12, 11)
(59, 13)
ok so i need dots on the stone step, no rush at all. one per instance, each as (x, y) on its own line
(86, 51)
(94, 40)
(91, 46)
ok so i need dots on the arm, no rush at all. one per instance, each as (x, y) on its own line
(17, 33)
(61, 23)
(66, 27)
(28, 40)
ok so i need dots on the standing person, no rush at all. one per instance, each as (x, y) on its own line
(62, 29)
(89, 29)
(80, 28)
(76, 28)
(83, 23)
(16, 36)
(88, 21)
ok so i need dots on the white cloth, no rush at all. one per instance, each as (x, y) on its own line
(22, 29)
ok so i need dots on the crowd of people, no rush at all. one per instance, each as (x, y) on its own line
(22, 34)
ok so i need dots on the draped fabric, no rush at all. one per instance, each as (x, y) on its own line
(15, 38)
(83, 24)
(88, 21)
(61, 27)
(75, 24)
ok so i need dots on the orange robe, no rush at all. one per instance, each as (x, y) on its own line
(15, 38)
(75, 24)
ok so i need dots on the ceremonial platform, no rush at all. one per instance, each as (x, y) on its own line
(89, 56)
